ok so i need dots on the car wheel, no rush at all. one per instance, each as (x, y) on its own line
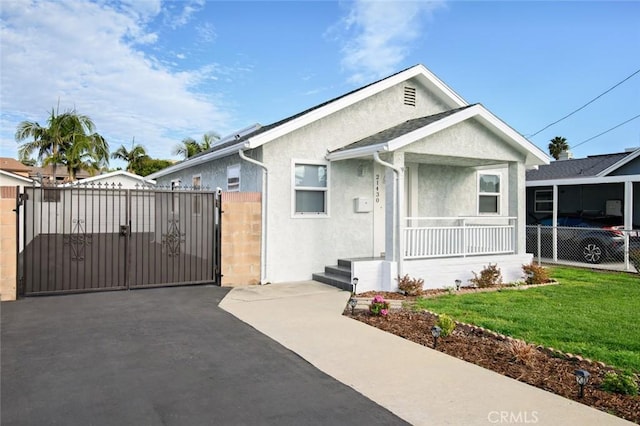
(592, 251)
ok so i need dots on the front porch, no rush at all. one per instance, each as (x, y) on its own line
(440, 250)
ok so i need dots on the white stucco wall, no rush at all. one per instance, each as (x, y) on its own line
(298, 247)
(214, 174)
(468, 139)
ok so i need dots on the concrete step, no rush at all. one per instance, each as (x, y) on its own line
(334, 280)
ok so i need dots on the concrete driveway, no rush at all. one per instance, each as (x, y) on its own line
(159, 356)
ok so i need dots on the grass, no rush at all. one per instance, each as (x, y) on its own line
(591, 313)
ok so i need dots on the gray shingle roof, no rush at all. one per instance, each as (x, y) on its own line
(577, 167)
(263, 129)
(401, 129)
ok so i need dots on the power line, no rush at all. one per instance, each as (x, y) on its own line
(587, 104)
(606, 131)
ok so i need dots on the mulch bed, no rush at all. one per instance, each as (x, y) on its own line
(548, 369)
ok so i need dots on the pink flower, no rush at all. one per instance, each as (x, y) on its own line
(384, 312)
(378, 299)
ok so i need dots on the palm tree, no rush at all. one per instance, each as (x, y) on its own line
(190, 147)
(557, 145)
(53, 143)
(187, 148)
(133, 157)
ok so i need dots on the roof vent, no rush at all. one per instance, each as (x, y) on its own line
(410, 96)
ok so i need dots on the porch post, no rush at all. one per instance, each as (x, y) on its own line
(554, 222)
(394, 209)
(517, 205)
(628, 205)
(628, 220)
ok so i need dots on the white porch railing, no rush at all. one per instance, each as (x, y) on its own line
(429, 237)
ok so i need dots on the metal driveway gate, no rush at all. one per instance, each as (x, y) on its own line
(79, 239)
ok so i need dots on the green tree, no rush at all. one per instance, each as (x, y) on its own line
(557, 145)
(68, 139)
(190, 147)
(150, 165)
(133, 157)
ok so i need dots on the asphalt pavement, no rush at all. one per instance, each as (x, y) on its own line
(167, 356)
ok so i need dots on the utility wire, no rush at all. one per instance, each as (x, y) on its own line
(585, 105)
(606, 131)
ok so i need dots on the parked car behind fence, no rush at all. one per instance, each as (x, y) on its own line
(590, 240)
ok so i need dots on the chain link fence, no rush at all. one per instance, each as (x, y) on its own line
(610, 247)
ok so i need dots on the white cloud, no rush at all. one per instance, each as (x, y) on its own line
(206, 32)
(190, 7)
(377, 35)
(87, 56)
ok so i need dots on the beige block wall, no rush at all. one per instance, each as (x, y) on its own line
(241, 238)
(8, 235)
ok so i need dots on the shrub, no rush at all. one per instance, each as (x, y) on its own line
(446, 324)
(522, 351)
(539, 274)
(379, 306)
(624, 383)
(410, 286)
(489, 276)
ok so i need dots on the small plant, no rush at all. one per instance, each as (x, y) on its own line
(490, 276)
(446, 324)
(410, 286)
(624, 382)
(379, 306)
(522, 351)
(535, 274)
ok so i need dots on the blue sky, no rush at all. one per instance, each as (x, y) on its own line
(160, 71)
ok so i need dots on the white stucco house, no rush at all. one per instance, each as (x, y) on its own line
(118, 179)
(401, 176)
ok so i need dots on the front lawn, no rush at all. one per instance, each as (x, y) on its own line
(593, 314)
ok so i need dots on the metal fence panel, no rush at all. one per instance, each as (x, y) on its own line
(605, 248)
(80, 239)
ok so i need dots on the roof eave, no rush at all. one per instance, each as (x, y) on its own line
(633, 155)
(361, 152)
(233, 149)
(583, 180)
(428, 78)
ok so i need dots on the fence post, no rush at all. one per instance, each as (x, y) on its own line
(539, 243)
(626, 250)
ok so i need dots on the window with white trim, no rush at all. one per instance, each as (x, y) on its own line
(233, 178)
(489, 193)
(196, 185)
(543, 201)
(310, 187)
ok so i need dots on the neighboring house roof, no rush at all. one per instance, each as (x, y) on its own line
(61, 171)
(15, 176)
(105, 177)
(13, 165)
(591, 166)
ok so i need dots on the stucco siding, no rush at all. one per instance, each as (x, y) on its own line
(468, 139)
(214, 175)
(300, 246)
(446, 191)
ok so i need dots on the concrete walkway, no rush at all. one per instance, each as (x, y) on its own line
(418, 384)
